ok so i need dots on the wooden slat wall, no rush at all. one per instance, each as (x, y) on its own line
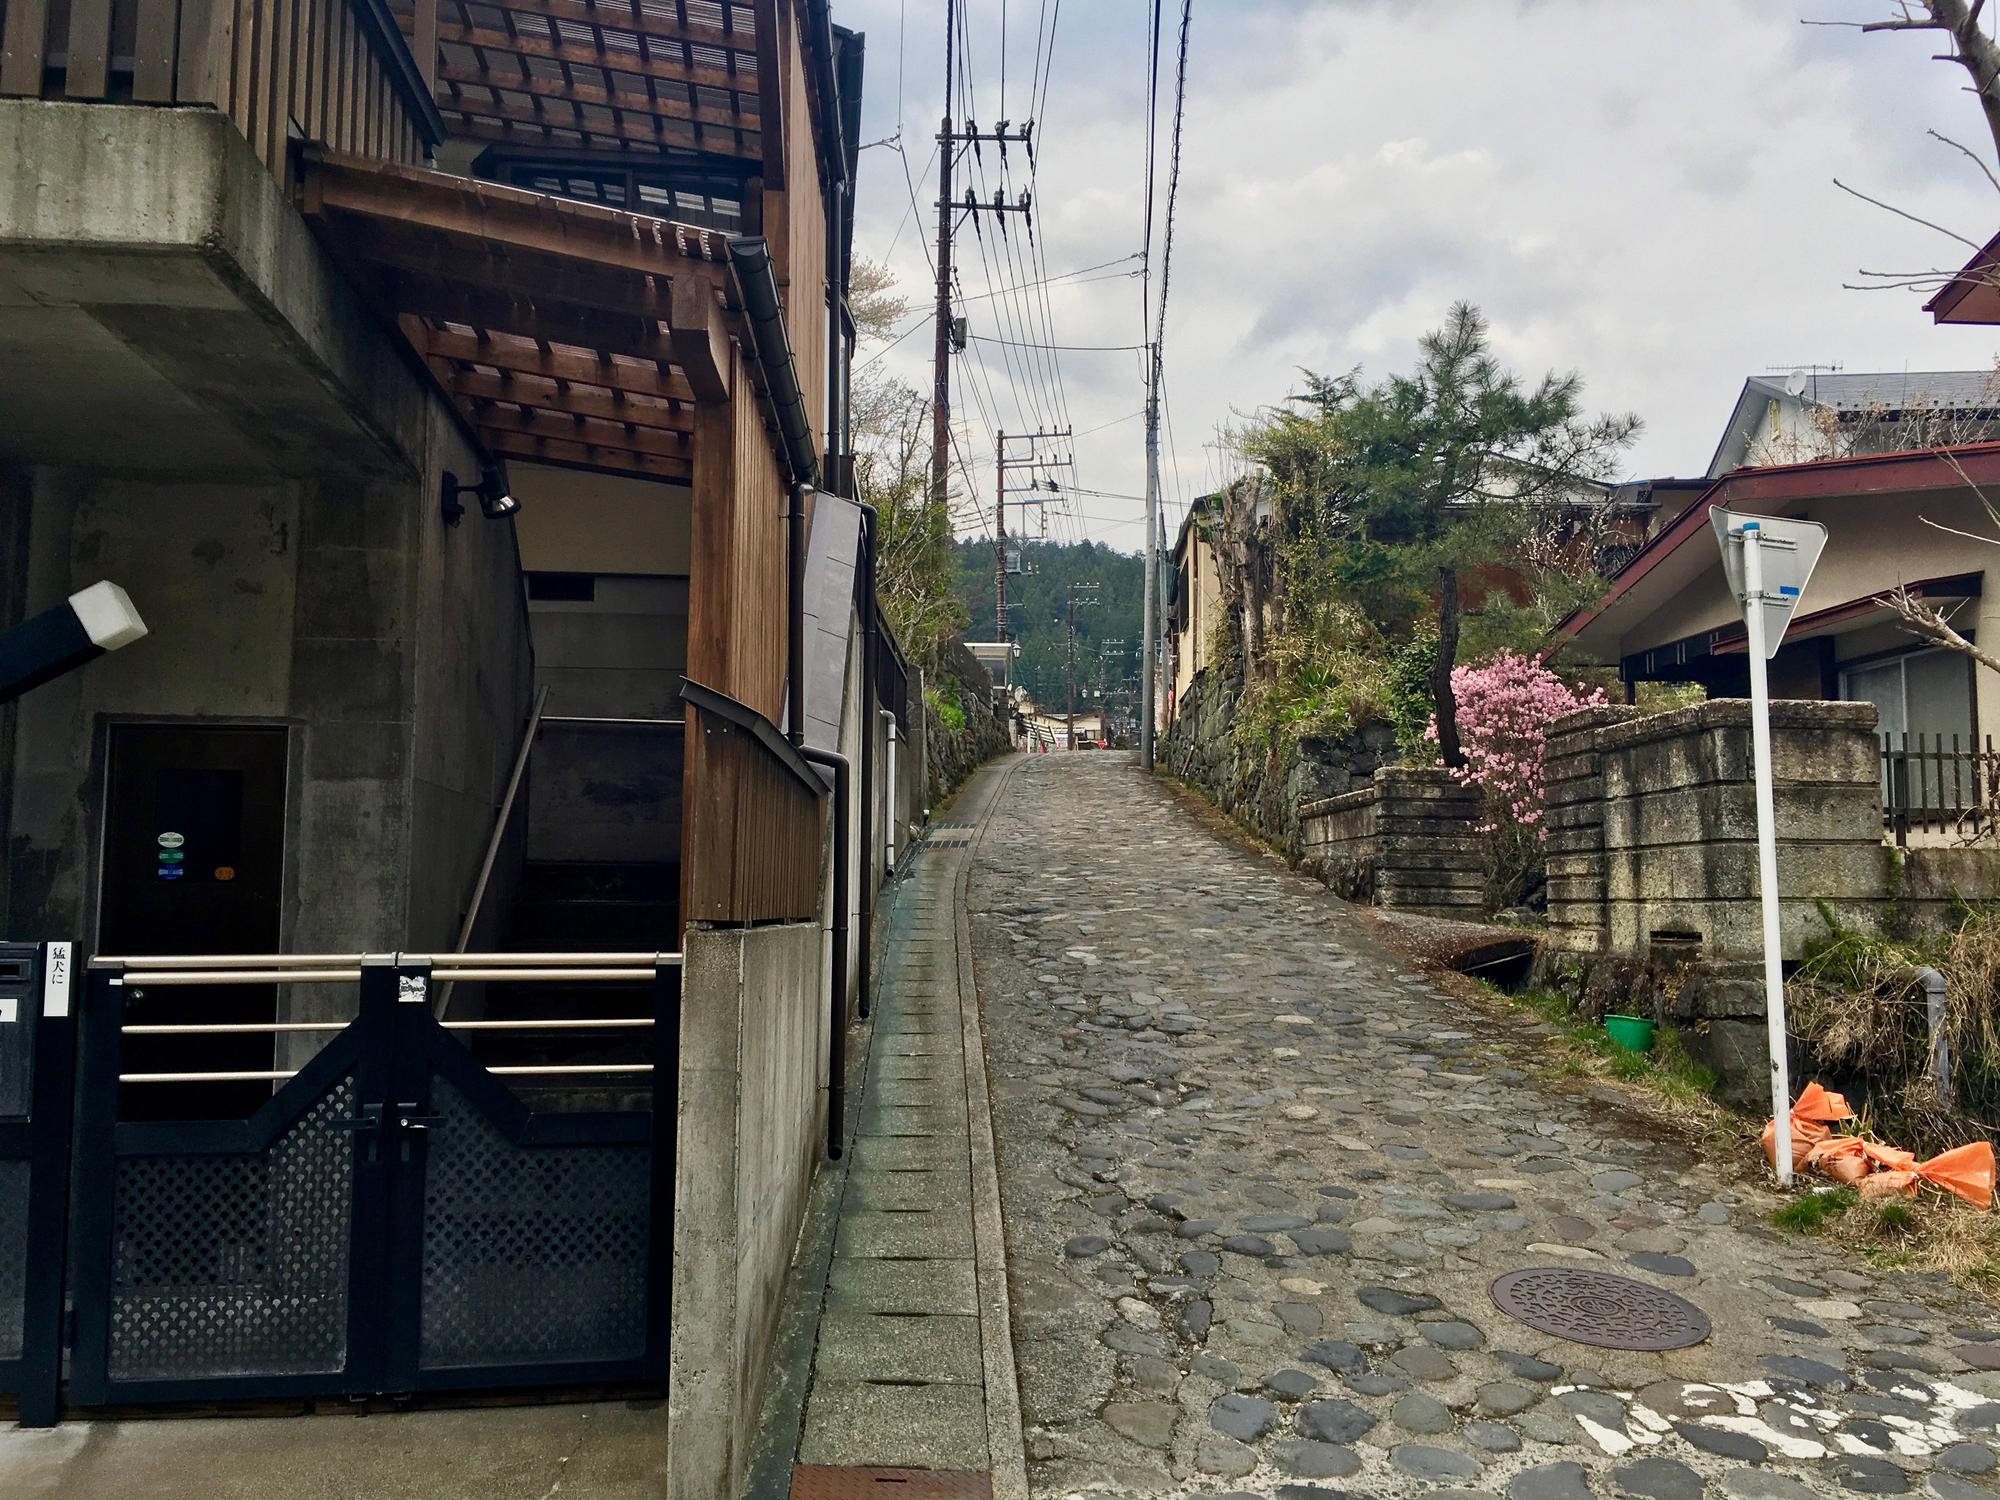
(753, 833)
(269, 64)
(753, 830)
(803, 260)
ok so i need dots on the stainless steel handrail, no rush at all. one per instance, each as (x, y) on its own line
(151, 961)
(166, 978)
(604, 720)
(279, 1075)
(265, 1028)
(500, 821)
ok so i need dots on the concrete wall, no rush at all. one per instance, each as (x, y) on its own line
(750, 1131)
(396, 650)
(1407, 841)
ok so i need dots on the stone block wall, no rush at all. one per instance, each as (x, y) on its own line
(1573, 792)
(1680, 826)
(1408, 841)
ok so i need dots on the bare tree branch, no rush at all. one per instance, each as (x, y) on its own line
(1904, 214)
(1970, 154)
(1929, 622)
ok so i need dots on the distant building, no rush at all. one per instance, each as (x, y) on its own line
(1195, 606)
(1813, 414)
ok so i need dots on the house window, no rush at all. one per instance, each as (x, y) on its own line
(688, 194)
(1926, 693)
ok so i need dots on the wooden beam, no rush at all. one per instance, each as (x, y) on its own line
(574, 455)
(568, 400)
(451, 301)
(524, 357)
(700, 340)
(568, 92)
(530, 274)
(587, 431)
(619, 59)
(771, 91)
(513, 125)
(627, 17)
(482, 216)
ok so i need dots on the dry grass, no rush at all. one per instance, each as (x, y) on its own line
(1930, 1232)
(1860, 1007)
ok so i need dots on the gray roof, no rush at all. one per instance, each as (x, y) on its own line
(1892, 390)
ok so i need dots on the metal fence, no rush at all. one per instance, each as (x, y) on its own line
(1940, 784)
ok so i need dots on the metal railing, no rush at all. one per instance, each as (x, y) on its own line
(421, 969)
(1943, 784)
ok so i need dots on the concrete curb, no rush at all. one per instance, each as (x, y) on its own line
(1005, 1442)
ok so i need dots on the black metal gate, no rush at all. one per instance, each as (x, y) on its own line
(37, 1074)
(393, 1219)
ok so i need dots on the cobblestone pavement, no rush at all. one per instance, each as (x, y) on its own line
(1258, 1177)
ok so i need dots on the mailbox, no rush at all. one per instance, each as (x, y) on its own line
(20, 1004)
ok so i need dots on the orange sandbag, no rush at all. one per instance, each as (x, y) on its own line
(1966, 1171)
(1889, 1158)
(1806, 1134)
(1888, 1185)
(1816, 1103)
(1844, 1158)
(1810, 1114)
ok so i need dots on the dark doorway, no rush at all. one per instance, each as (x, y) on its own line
(194, 856)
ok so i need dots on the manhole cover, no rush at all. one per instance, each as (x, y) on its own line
(831, 1482)
(1590, 1307)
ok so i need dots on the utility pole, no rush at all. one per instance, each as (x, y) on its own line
(1149, 650)
(941, 365)
(949, 140)
(1002, 463)
(1089, 593)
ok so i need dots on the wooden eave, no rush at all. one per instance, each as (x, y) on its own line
(634, 74)
(569, 333)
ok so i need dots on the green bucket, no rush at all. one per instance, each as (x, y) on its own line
(1633, 1033)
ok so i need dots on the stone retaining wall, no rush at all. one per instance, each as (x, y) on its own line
(1408, 841)
(1573, 793)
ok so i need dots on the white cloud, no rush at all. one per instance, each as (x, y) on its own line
(1641, 192)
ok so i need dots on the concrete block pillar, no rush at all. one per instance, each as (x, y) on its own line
(1430, 849)
(750, 1130)
(1680, 825)
(1573, 795)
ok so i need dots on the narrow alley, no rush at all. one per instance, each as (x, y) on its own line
(1258, 1175)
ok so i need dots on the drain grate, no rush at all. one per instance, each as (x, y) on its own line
(1591, 1307)
(831, 1482)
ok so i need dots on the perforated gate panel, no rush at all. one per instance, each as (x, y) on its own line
(236, 1264)
(531, 1254)
(13, 1255)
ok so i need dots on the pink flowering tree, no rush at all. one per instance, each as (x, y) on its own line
(1505, 706)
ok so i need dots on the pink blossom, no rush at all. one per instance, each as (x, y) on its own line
(1504, 709)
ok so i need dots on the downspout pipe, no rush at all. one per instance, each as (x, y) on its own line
(836, 1000)
(764, 321)
(1934, 1010)
(889, 802)
(795, 623)
(869, 647)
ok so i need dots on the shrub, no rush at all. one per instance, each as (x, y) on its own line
(1504, 709)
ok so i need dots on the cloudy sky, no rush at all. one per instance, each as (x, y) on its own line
(1639, 191)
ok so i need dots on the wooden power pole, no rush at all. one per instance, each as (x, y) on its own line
(1088, 593)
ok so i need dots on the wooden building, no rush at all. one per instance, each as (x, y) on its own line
(459, 388)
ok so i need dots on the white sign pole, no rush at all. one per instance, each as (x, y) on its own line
(1767, 845)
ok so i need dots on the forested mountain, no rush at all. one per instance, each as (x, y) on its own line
(1037, 604)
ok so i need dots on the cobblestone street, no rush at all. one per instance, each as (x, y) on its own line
(1258, 1175)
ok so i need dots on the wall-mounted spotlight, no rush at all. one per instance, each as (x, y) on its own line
(494, 501)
